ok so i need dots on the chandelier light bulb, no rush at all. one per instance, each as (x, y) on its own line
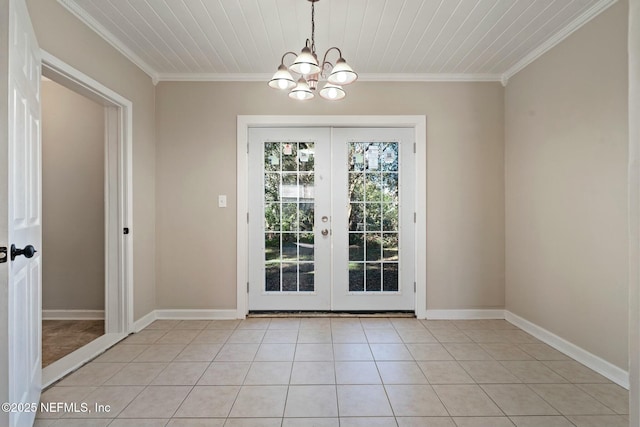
(305, 63)
(342, 73)
(282, 79)
(332, 92)
(305, 68)
(302, 91)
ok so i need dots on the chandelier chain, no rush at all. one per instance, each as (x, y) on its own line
(313, 27)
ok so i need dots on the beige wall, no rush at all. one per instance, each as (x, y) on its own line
(566, 189)
(634, 212)
(196, 158)
(72, 200)
(65, 37)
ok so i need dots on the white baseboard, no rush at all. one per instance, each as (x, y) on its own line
(74, 360)
(471, 314)
(601, 366)
(72, 314)
(143, 322)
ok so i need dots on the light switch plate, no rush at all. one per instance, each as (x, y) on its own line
(222, 201)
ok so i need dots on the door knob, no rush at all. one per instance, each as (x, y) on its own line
(28, 251)
(325, 232)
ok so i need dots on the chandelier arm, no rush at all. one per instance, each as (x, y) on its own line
(287, 53)
(326, 66)
(324, 60)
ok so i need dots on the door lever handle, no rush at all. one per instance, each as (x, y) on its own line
(28, 252)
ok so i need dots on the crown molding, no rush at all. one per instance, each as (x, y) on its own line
(260, 77)
(76, 10)
(565, 32)
(430, 77)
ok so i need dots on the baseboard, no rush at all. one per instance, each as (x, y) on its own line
(72, 314)
(144, 321)
(76, 359)
(601, 366)
(196, 314)
(470, 314)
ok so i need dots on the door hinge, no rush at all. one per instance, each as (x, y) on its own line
(415, 217)
(247, 148)
(247, 217)
(414, 287)
(3, 254)
(414, 148)
(247, 287)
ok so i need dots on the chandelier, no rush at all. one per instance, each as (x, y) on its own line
(310, 70)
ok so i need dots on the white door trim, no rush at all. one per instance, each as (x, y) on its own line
(118, 214)
(419, 123)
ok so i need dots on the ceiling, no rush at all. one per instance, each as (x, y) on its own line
(468, 40)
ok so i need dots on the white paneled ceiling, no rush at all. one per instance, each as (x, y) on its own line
(381, 39)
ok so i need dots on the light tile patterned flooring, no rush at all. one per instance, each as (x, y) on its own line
(330, 372)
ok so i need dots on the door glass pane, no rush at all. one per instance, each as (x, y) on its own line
(289, 216)
(305, 247)
(374, 247)
(374, 209)
(356, 186)
(390, 277)
(306, 276)
(356, 276)
(272, 217)
(289, 277)
(356, 247)
(373, 279)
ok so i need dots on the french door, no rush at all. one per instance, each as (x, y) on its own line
(331, 219)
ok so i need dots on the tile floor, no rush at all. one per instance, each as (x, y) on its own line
(348, 372)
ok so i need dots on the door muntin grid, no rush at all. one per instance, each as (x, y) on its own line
(289, 211)
(373, 217)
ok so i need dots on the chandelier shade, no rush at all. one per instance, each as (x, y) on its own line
(282, 79)
(306, 65)
(332, 92)
(302, 91)
(342, 73)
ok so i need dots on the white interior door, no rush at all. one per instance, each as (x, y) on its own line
(331, 219)
(24, 214)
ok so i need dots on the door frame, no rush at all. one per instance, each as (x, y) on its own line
(244, 122)
(118, 115)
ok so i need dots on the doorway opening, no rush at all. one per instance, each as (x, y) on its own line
(359, 185)
(73, 220)
(102, 308)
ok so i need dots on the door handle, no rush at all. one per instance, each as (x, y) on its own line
(28, 252)
(325, 232)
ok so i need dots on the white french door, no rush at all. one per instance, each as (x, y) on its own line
(373, 227)
(331, 219)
